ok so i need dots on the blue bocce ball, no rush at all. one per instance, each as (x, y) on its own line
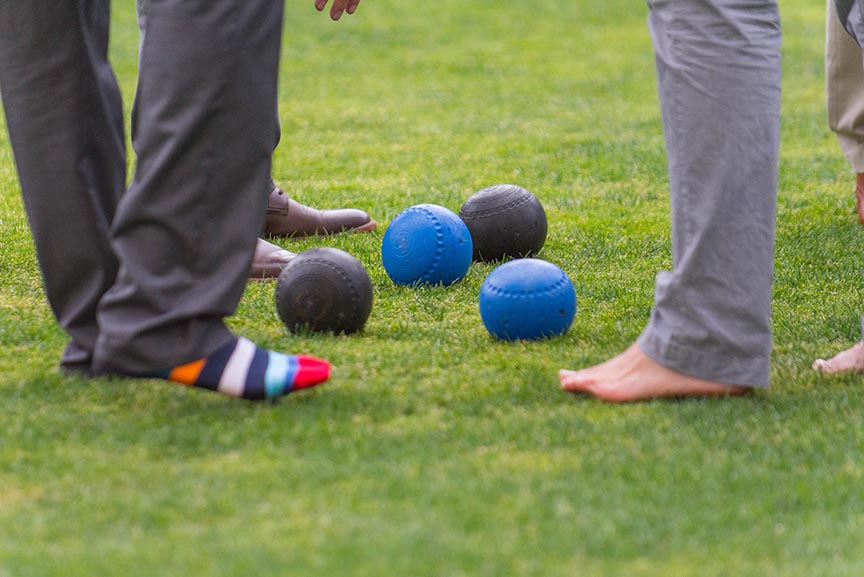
(426, 244)
(527, 299)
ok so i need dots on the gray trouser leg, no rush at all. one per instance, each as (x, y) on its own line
(65, 121)
(271, 185)
(185, 230)
(718, 68)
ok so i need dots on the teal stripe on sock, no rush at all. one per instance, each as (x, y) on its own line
(281, 370)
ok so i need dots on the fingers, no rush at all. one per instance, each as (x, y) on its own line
(338, 7)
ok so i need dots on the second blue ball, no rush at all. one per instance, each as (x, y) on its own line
(527, 299)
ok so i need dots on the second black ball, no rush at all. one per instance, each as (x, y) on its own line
(505, 220)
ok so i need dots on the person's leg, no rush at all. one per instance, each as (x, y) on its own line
(718, 67)
(65, 120)
(186, 228)
(844, 90)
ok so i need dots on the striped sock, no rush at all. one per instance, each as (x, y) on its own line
(241, 369)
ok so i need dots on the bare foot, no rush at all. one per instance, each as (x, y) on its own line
(634, 376)
(849, 361)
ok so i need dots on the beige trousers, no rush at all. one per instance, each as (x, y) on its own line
(844, 87)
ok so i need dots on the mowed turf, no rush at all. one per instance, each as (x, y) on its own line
(435, 450)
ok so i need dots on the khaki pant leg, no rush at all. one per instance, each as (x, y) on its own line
(844, 78)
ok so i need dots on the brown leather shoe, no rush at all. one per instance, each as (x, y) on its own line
(859, 196)
(269, 260)
(286, 217)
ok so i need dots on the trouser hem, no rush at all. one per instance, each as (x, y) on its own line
(729, 369)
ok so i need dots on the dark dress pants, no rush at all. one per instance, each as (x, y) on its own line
(142, 278)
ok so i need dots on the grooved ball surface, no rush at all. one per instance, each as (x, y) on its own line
(426, 244)
(323, 290)
(527, 299)
(505, 220)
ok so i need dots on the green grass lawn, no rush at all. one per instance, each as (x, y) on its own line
(435, 450)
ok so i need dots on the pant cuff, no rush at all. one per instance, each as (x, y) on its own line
(694, 362)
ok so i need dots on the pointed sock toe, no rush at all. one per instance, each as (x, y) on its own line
(243, 370)
(312, 371)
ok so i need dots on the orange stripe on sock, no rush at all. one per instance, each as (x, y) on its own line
(187, 374)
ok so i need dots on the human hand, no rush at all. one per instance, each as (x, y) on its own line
(338, 7)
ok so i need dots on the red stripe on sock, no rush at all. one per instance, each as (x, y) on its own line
(312, 371)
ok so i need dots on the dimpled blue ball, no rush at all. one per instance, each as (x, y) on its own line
(527, 299)
(426, 244)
